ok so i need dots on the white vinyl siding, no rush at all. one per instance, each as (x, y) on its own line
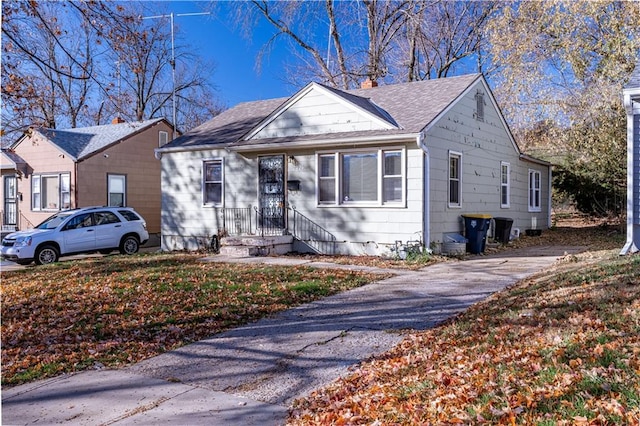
(51, 192)
(361, 177)
(455, 179)
(534, 190)
(505, 185)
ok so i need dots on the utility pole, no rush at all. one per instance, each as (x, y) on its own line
(173, 58)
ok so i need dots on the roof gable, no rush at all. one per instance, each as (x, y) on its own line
(317, 109)
(407, 108)
(83, 142)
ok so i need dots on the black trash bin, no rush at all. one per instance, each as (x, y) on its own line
(503, 229)
(476, 226)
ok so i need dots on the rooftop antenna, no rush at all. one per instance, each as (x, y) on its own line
(173, 57)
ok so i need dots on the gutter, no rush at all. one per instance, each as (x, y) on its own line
(310, 143)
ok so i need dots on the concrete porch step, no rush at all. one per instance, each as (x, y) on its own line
(244, 246)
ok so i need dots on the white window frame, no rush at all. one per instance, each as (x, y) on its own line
(206, 203)
(535, 190)
(339, 178)
(62, 193)
(450, 180)
(163, 138)
(110, 191)
(505, 184)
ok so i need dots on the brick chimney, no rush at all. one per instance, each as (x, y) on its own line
(117, 120)
(368, 84)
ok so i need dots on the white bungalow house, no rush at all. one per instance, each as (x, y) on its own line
(351, 172)
(631, 95)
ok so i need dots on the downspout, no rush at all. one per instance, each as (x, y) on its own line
(426, 205)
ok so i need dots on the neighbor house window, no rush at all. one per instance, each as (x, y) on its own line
(163, 138)
(455, 183)
(51, 192)
(534, 190)
(372, 177)
(505, 185)
(116, 190)
(212, 183)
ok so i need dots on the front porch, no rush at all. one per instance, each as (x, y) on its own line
(251, 231)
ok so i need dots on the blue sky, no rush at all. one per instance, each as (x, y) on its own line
(235, 76)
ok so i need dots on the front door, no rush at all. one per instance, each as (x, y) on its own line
(271, 193)
(10, 211)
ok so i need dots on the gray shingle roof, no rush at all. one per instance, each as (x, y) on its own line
(412, 106)
(634, 80)
(82, 142)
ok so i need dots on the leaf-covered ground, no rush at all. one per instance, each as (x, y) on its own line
(116, 310)
(560, 348)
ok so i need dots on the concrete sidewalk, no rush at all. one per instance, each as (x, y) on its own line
(251, 375)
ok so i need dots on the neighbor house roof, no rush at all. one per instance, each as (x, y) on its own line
(634, 80)
(82, 142)
(9, 160)
(412, 106)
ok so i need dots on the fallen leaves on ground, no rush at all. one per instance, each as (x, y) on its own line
(117, 310)
(560, 348)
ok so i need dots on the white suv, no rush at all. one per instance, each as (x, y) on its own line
(85, 230)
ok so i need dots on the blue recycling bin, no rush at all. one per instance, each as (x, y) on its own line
(476, 227)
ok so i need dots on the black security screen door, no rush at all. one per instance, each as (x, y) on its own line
(271, 192)
(10, 213)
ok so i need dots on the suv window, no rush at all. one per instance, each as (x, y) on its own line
(129, 215)
(103, 218)
(81, 221)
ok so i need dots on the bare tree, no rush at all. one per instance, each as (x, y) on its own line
(81, 63)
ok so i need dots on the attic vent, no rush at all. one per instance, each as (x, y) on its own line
(480, 106)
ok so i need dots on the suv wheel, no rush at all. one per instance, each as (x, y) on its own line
(129, 245)
(46, 255)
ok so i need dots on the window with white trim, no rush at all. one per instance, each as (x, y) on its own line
(116, 190)
(367, 176)
(51, 192)
(455, 180)
(534, 190)
(212, 182)
(505, 184)
(163, 137)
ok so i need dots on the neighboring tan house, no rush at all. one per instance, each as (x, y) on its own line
(355, 172)
(12, 168)
(631, 94)
(113, 164)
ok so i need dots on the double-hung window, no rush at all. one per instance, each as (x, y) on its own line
(361, 177)
(534, 190)
(212, 182)
(51, 192)
(505, 185)
(455, 179)
(116, 190)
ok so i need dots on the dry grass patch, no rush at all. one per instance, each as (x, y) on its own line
(560, 348)
(116, 310)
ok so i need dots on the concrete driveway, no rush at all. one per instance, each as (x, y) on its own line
(251, 375)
